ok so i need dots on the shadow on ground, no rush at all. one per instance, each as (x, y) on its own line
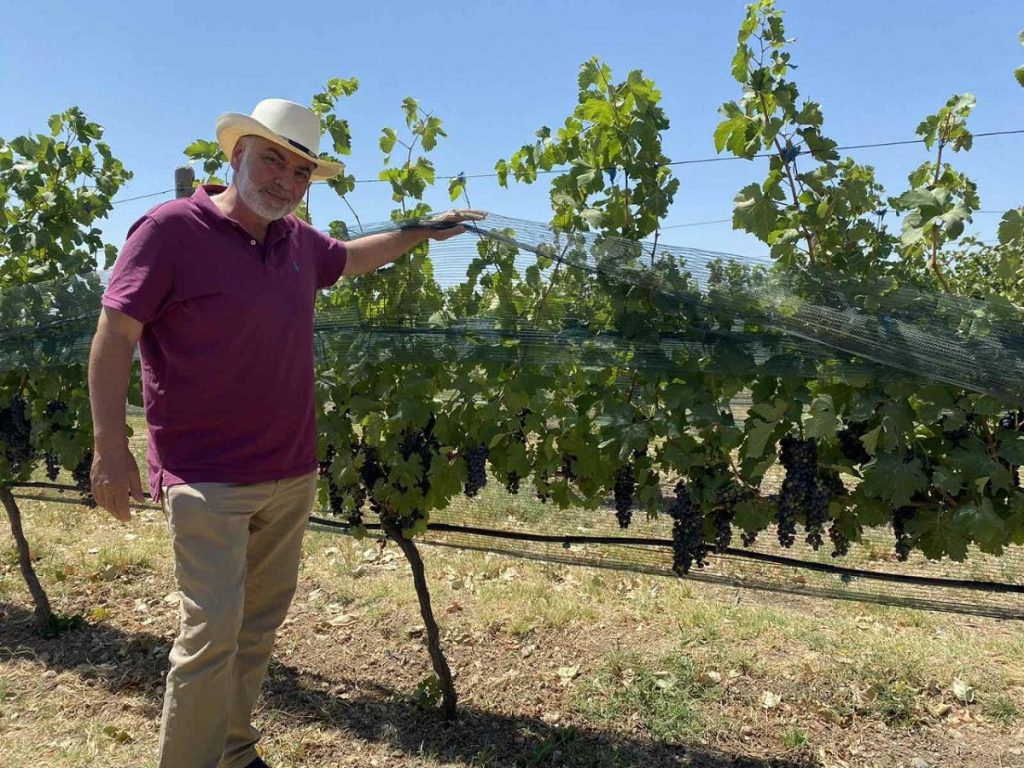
(363, 709)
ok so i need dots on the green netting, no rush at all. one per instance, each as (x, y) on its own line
(750, 311)
(727, 313)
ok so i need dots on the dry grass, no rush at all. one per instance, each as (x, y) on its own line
(555, 665)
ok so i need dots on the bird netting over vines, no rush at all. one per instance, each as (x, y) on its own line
(591, 372)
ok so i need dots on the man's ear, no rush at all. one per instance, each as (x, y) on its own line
(236, 154)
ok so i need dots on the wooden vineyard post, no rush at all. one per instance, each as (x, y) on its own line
(184, 178)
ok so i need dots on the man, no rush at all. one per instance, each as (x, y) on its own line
(218, 290)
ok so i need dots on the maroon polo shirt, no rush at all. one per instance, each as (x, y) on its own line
(227, 347)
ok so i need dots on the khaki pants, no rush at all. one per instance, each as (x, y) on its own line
(236, 561)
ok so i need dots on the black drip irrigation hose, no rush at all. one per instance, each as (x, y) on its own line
(567, 541)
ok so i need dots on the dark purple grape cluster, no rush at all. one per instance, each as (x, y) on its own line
(725, 511)
(840, 544)
(625, 487)
(421, 443)
(513, 481)
(850, 443)
(803, 493)
(722, 523)
(324, 465)
(370, 471)
(1012, 420)
(688, 545)
(958, 435)
(335, 501)
(54, 407)
(569, 466)
(81, 475)
(900, 517)
(52, 466)
(476, 466)
(337, 495)
(543, 488)
(16, 434)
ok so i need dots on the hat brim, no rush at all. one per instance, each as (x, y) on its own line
(233, 126)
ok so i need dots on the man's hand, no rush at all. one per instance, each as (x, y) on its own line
(447, 224)
(370, 252)
(115, 477)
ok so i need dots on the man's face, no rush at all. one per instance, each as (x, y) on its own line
(271, 180)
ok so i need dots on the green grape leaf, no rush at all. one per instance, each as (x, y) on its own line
(456, 187)
(976, 466)
(729, 131)
(1011, 226)
(1012, 449)
(870, 440)
(388, 139)
(751, 517)
(892, 479)
(947, 480)
(757, 438)
(1015, 522)
(822, 420)
(754, 213)
(980, 522)
(936, 536)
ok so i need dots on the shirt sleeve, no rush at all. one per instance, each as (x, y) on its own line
(143, 278)
(331, 257)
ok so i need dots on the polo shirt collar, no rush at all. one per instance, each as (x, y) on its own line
(278, 229)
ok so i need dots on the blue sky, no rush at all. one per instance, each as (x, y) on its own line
(157, 75)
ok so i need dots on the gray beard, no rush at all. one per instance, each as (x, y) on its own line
(251, 196)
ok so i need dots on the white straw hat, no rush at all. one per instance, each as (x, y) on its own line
(283, 122)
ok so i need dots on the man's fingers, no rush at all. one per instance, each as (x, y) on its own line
(135, 484)
(112, 499)
(120, 508)
(470, 214)
(460, 214)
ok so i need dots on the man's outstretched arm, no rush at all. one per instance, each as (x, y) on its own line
(365, 254)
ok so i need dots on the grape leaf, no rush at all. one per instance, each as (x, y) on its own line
(822, 420)
(754, 212)
(979, 521)
(1011, 226)
(891, 478)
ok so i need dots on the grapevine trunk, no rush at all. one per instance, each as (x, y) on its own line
(449, 698)
(44, 616)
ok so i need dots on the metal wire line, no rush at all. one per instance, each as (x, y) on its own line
(693, 161)
(719, 159)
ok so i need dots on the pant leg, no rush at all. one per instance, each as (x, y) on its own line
(275, 546)
(209, 526)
